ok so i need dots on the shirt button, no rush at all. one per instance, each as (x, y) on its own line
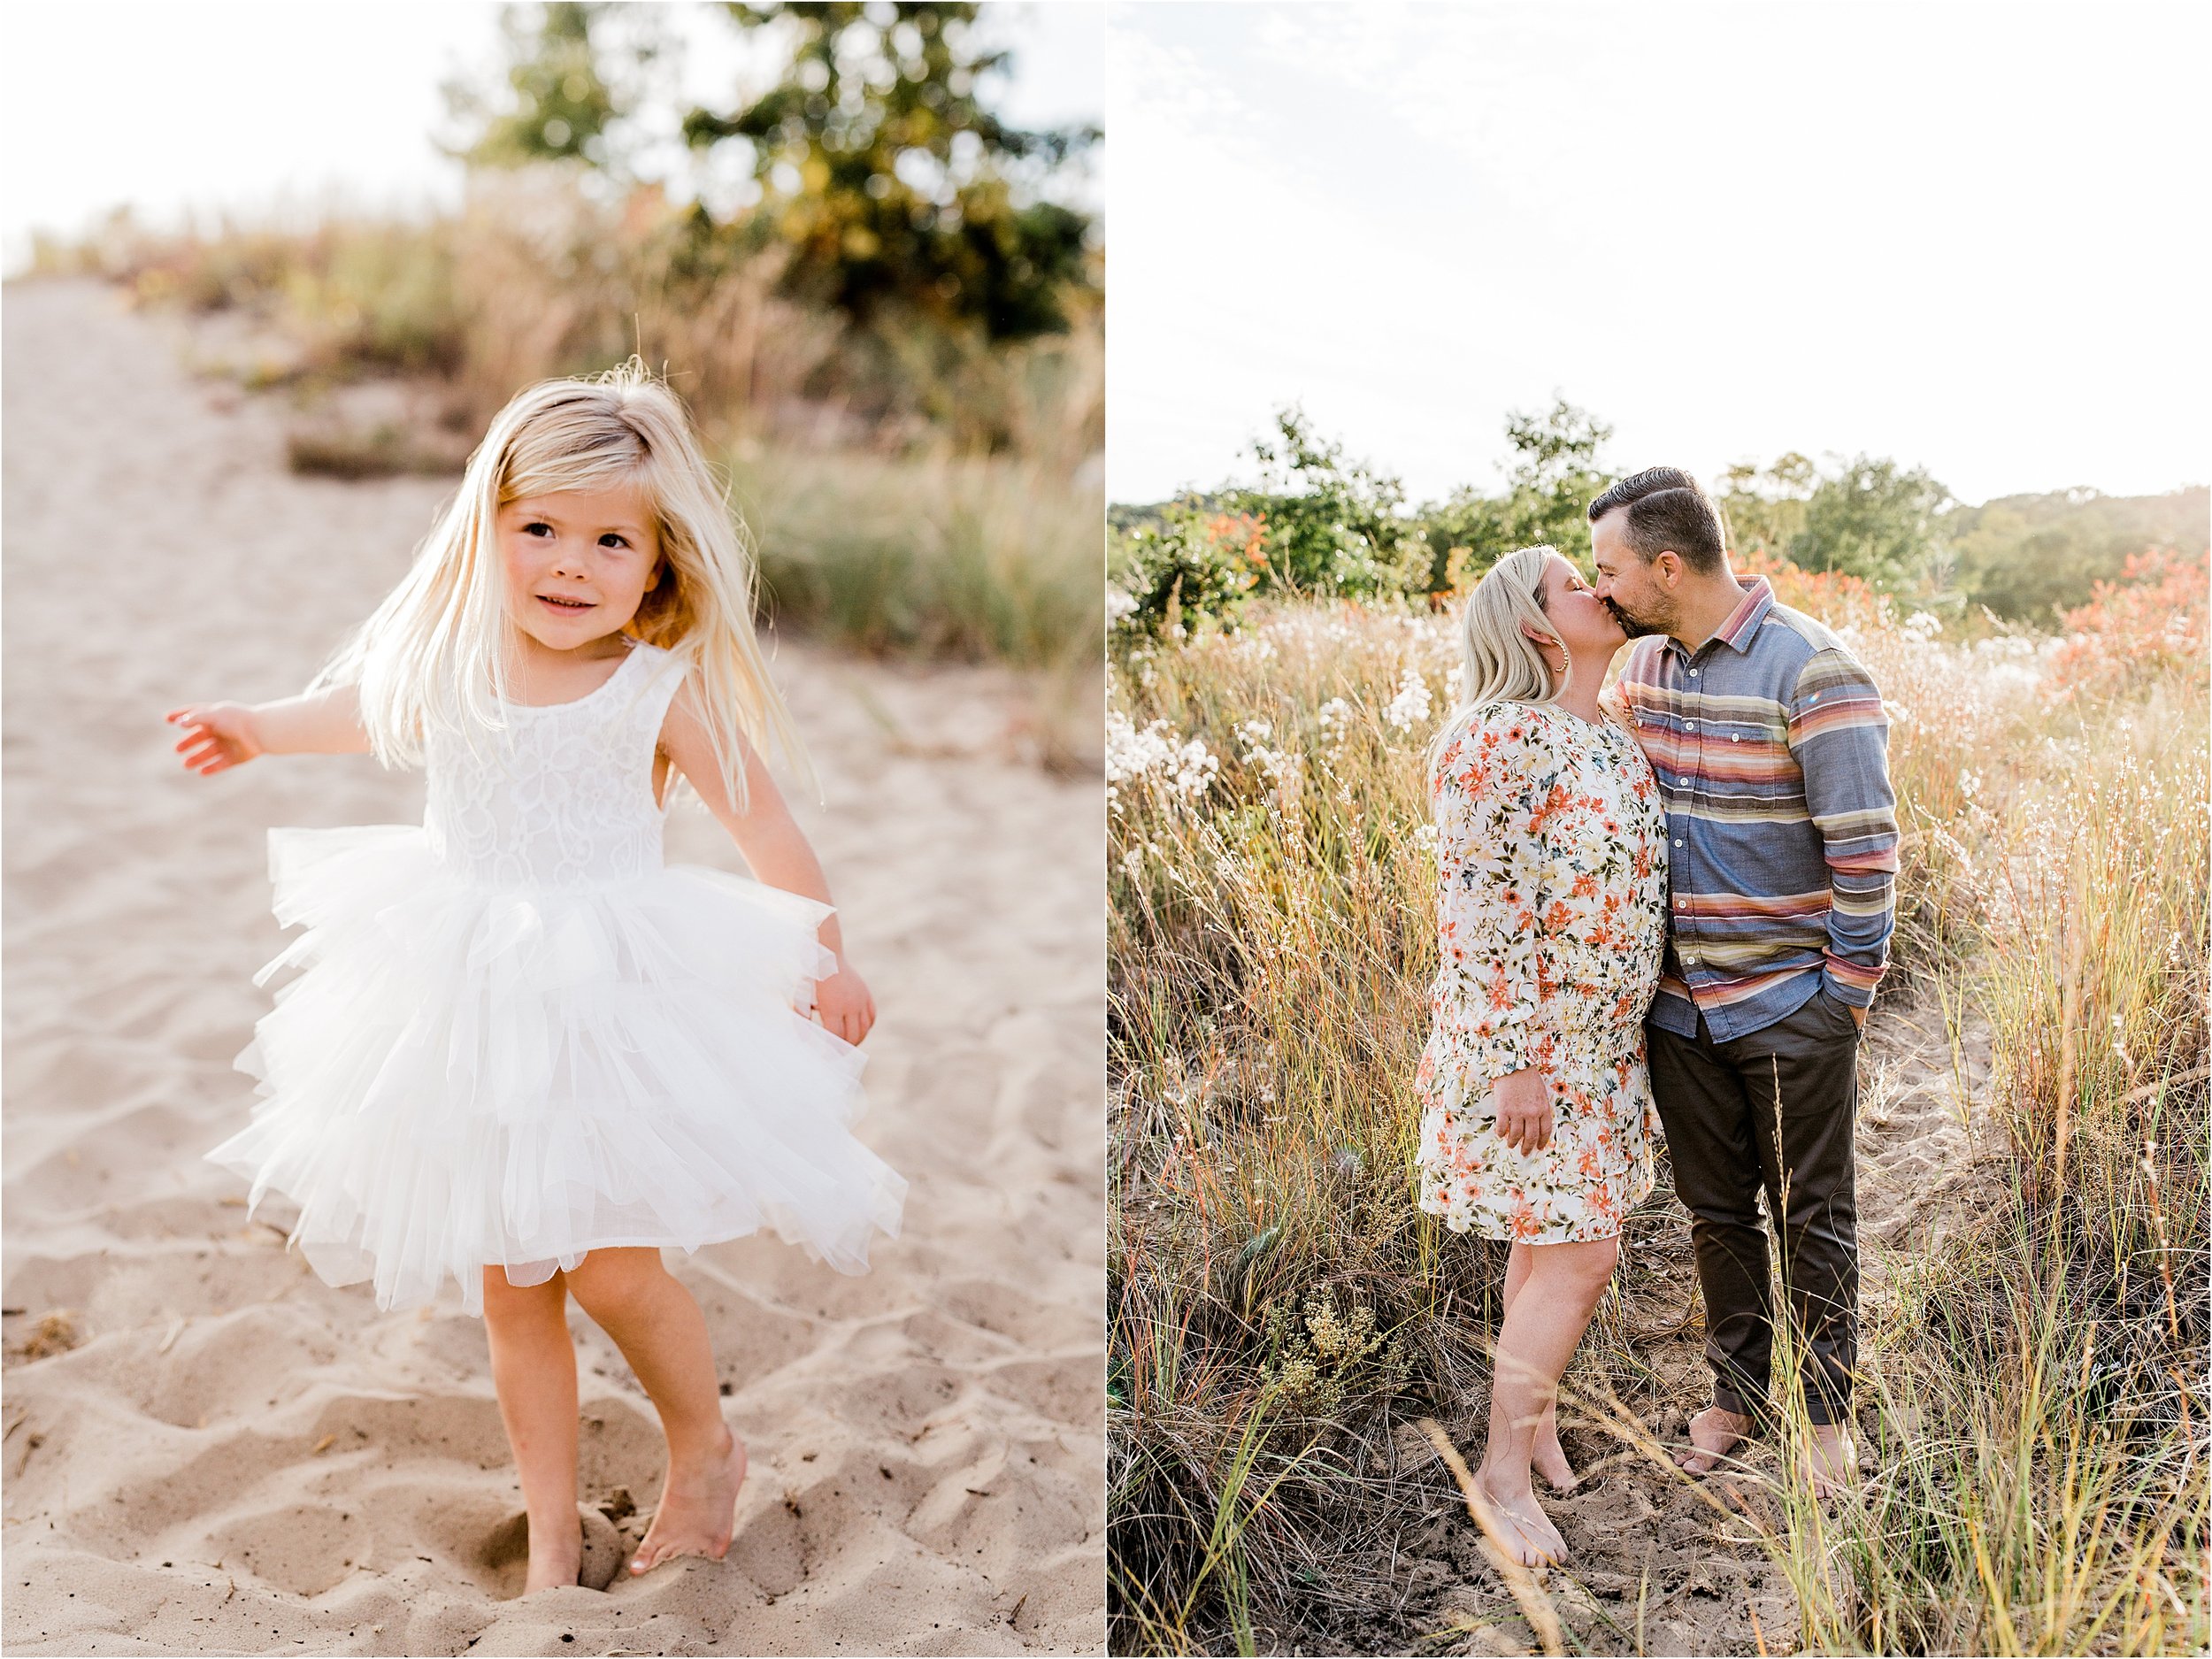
(1733, 738)
(1691, 726)
(1677, 844)
(1678, 904)
(1694, 674)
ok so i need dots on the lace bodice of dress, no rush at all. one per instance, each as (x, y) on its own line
(562, 798)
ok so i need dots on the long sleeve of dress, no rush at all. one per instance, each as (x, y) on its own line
(1490, 786)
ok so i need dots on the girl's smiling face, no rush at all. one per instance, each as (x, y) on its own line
(577, 563)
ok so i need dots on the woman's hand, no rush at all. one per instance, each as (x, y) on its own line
(843, 1005)
(217, 737)
(1522, 1101)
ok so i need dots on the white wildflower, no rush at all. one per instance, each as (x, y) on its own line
(1194, 767)
(1272, 764)
(1119, 603)
(1410, 707)
(1335, 716)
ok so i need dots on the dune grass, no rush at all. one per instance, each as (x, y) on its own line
(911, 489)
(2034, 1396)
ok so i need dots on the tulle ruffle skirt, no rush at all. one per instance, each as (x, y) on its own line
(466, 1076)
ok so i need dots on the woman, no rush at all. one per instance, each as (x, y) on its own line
(1538, 1123)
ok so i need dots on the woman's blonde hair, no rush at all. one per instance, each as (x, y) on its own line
(432, 655)
(1496, 658)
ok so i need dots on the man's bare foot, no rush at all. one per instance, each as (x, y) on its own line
(697, 1511)
(556, 1553)
(1548, 1458)
(1830, 1459)
(1714, 1433)
(1523, 1527)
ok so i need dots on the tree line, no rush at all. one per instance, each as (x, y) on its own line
(1319, 521)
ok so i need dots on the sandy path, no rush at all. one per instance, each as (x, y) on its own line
(235, 1457)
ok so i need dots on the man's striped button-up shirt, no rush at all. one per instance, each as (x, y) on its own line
(1772, 754)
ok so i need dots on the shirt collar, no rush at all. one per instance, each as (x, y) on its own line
(1744, 620)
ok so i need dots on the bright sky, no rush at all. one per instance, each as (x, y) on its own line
(1969, 236)
(170, 106)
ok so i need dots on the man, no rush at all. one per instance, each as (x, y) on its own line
(1771, 751)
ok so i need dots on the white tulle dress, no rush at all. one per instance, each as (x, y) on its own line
(519, 1036)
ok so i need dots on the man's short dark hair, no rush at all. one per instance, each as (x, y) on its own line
(1666, 508)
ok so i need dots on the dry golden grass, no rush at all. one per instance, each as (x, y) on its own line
(916, 490)
(2033, 1399)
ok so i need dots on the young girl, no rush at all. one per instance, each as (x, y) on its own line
(524, 1053)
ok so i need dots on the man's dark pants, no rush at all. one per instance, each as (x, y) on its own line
(1770, 1111)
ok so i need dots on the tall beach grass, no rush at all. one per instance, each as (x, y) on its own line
(2033, 1402)
(916, 490)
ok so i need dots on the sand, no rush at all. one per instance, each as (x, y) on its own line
(208, 1450)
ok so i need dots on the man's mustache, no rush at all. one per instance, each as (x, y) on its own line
(1629, 625)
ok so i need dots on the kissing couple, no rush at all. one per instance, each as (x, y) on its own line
(1664, 907)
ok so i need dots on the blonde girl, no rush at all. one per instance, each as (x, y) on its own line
(524, 1053)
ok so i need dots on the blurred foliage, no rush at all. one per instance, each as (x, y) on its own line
(924, 480)
(2030, 557)
(1873, 519)
(892, 184)
(1868, 518)
(566, 88)
(888, 189)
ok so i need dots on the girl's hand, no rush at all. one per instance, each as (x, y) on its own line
(217, 737)
(1523, 1099)
(843, 1005)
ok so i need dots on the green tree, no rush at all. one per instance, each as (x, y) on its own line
(2030, 557)
(576, 75)
(892, 185)
(1764, 507)
(1333, 524)
(1555, 475)
(1554, 472)
(1875, 521)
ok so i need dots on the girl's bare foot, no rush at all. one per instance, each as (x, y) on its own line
(557, 1553)
(1714, 1434)
(697, 1511)
(1523, 1527)
(1548, 1458)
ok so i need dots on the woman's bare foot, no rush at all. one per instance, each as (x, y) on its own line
(1832, 1459)
(697, 1511)
(1523, 1527)
(1714, 1434)
(1548, 1458)
(556, 1553)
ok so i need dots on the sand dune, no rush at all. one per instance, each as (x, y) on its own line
(208, 1450)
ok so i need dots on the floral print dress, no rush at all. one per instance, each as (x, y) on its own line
(1551, 916)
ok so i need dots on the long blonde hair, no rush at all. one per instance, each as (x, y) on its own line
(1496, 658)
(432, 655)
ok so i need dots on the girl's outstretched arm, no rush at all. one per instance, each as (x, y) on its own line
(774, 847)
(221, 735)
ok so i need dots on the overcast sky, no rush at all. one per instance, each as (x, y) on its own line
(1973, 238)
(176, 105)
